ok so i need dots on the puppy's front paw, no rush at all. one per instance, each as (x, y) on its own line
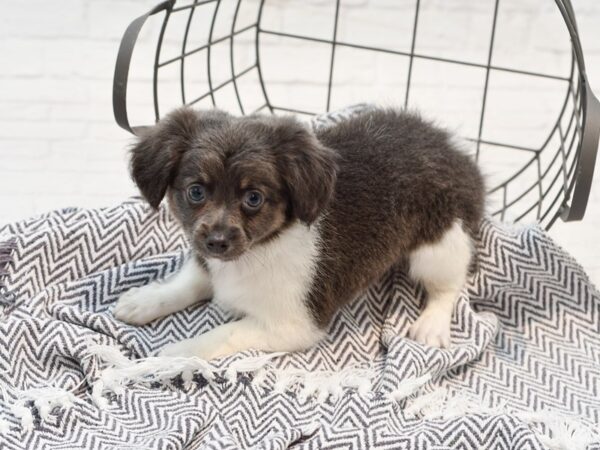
(140, 305)
(432, 328)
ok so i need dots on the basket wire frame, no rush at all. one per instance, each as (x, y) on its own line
(543, 198)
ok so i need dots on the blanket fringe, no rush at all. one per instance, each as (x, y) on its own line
(42, 400)
(320, 386)
(323, 385)
(4, 427)
(409, 387)
(561, 432)
(120, 371)
(553, 429)
(253, 365)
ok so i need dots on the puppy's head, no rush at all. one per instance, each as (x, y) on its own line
(233, 182)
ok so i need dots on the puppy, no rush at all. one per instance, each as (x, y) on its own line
(286, 226)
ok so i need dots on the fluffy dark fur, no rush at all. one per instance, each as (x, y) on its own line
(380, 185)
(400, 184)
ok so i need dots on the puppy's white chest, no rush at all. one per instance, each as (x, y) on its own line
(236, 288)
(270, 281)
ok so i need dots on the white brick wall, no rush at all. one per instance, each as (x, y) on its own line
(59, 145)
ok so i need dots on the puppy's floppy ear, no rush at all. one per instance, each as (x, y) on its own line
(156, 156)
(308, 168)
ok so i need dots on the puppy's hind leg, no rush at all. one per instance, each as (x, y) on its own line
(442, 267)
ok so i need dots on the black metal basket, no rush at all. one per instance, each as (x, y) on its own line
(553, 180)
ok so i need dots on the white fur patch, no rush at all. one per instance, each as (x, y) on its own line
(442, 267)
(268, 287)
(270, 282)
(143, 304)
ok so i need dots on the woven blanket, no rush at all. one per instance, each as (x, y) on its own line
(523, 371)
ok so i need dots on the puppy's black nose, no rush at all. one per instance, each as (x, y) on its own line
(217, 243)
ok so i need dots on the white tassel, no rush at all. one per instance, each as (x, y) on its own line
(24, 414)
(285, 379)
(97, 398)
(313, 387)
(409, 387)
(563, 432)
(188, 377)
(323, 385)
(251, 364)
(43, 407)
(109, 354)
(45, 399)
(4, 427)
(260, 377)
(335, 392)
(431, 405)
(566, 433)
(355, 379)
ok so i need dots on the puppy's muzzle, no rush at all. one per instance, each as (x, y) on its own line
(220, 242)
(217, 243)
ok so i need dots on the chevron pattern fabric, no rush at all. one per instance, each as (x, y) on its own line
(523, 371)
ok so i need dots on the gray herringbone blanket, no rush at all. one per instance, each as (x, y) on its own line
(523, 372)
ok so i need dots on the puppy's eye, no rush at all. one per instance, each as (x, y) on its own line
(196, 193)
(253, 199)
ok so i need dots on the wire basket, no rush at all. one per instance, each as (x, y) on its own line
(221, 50)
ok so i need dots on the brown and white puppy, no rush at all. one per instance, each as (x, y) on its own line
(287, 226)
